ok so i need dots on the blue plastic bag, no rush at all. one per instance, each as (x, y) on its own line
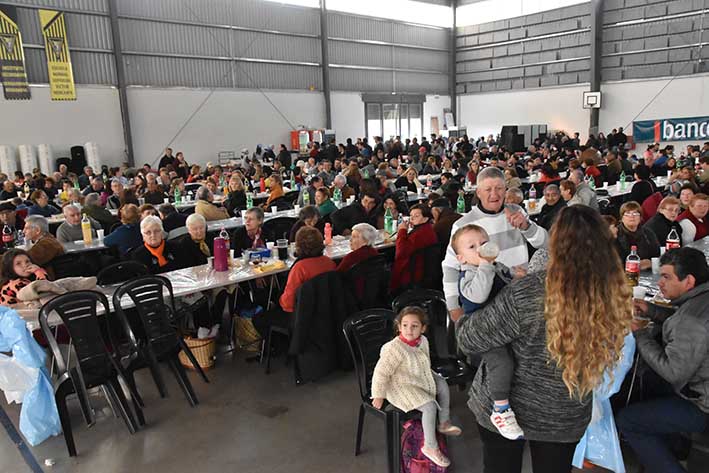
(600, 444)
(39, 418)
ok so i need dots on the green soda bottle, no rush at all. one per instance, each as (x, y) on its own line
(460, 204)
(388, 222)
(249, 200)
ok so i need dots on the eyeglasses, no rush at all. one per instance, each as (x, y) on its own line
(631, 214)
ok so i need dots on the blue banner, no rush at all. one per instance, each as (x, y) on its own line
(671, 129)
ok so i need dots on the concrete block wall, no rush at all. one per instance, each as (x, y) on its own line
(641, 39)
(645, 39)
(545, 49)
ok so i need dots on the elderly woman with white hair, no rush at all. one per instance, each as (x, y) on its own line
(364, 236)
(158, 255)
(206, 208)
(193, 247)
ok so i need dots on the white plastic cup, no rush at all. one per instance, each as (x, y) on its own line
(655, 265)
(274, 210)
(166, 200)
(639, 292)
(270, 246)
(141, 201)
(100, 234)
(243, 214)
(662, 250)
(296, 207)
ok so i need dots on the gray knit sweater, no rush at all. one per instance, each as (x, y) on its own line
(539, 397)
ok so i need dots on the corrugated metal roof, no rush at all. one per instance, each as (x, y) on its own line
(360, 54)
(421, 59)
(271, 46)
(96, 6)
(277, 76)
(181, 72)
(154, 37)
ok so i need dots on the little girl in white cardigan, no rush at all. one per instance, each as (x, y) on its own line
(403, 377)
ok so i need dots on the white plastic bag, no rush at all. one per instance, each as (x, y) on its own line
(16, 378)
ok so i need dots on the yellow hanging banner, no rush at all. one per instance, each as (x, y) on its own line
(61, 76)
(12, 58)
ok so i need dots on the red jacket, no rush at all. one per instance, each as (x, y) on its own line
(357, 256)
(406, 244)
(302, 271)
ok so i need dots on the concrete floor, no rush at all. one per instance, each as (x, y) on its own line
(247, 421)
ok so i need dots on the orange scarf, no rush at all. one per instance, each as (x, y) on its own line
(158, 253)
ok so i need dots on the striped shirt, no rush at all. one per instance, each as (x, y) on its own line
(512, 243)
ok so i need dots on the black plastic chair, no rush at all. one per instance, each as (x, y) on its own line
(71, 265)
(276, 228)
(291, 197)
(366, 332)
(157, 338)
(281, 203)
(120, 272)
(445, 359)
(95, 366)
(369, 281)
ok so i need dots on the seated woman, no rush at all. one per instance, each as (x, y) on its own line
(127, 236)
(154, 195)
(694, 222)
(665, 220)
(309, 248)
(431, 166)
(193, 248)
(549, 174)
(394, 207)
(643, 186)
(195, 174)
(158, 255)
(512, 180)
(363, 238)
(206, 208)
(568, 192)
(632, 233)
(275, 188)
(41, 205)
(17, 271)
(325, 205)
(307, 217)
(686, 192)
(408, 242)
(236, 199)
(248, 236)
(146, 210)
(410, 180)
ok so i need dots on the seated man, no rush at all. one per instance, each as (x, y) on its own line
(206, 208)
(44, 246)
(9, 217)
(680, 360)
(70, 230)
(171, 218)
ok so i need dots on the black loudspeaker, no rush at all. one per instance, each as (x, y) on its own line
(509, 130)
(518, 143)
(78, 160)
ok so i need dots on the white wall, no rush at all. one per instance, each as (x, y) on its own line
(347, 115)
(558, 107)
(433, 107)
(94, 116)
(229, 121)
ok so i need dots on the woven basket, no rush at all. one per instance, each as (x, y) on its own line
(203, 350)
(247, 337)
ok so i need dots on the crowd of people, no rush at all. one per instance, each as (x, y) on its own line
(549, 329)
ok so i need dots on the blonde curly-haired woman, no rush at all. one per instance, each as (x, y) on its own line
(565, 327)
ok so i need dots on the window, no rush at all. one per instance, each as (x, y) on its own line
(393, 119)
(492, 10)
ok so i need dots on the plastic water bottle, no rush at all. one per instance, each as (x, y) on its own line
(672, 240)
(86, 229)
(632, 267)
(328, 234)
(388, 222)
(262, 185)
(306, 197)
(337, 195)
(178, 195)
(622, 180)
(249, 200)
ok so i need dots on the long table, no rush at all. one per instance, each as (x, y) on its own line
(201, 278)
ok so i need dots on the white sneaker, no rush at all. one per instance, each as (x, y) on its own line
(506, 424)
